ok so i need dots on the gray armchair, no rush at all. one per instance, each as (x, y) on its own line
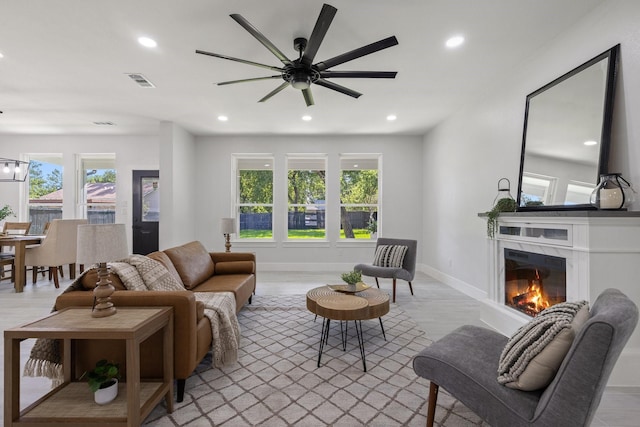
(406, 272)
(465, 363)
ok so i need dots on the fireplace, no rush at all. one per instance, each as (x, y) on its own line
(533, 281)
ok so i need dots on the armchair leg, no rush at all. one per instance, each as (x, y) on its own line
(411, 288)
(54, 273)
(377, 283)
(433, 397)
(72, 271)
(394, 289)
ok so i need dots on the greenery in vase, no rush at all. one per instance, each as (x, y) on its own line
(352, 277)
(103, 375)
(6, 211)
(503, 205)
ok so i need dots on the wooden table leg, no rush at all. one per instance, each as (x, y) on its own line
(20, 276)
(133, 383)
(167, 360)
(11, 380)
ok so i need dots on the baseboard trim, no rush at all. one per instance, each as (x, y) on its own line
(456, 284)
(305, 266)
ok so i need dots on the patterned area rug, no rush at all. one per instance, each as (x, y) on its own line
(277, 382)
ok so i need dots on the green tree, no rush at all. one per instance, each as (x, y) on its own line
(306, 186)
(109, 175)
(356, 187)
(54, 181)
(37, 183)
(256, 186)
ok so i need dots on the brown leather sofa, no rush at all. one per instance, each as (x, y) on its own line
(199, 271)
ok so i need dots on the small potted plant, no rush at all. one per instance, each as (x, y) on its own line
(352, 278)
(103, 381)
(5, 212)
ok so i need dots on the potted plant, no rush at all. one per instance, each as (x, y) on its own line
(503, 205)
(103, 381)
(372, 228)
(352, 278)
(5, 212)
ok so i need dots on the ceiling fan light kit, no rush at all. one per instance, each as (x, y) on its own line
(301, 73)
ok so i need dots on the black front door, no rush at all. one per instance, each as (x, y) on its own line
(146, 211)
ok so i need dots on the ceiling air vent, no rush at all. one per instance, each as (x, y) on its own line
(140, 80)
(104, 123)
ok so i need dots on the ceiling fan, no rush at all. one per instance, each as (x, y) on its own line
(301, 73)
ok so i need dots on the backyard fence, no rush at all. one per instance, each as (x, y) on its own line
(300, 220)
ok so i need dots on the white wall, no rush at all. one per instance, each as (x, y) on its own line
(132, 152)
(401, 189)
(178, 194)
(466, 155)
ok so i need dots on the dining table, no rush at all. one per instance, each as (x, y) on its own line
(20, 244)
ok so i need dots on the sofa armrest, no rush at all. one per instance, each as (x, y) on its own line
(184, 315)
(234, 262)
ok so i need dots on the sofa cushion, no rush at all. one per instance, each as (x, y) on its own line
(163, 259)
(242, 286)
(192, 262)
(389, 256)
(535, 352)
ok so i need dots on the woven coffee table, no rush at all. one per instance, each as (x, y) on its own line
(359, 306)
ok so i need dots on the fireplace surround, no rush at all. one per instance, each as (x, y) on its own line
(596, 249)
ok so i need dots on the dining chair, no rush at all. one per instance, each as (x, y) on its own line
(57, 248)
(7, 257)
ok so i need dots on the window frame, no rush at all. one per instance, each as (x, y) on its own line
(376, 207)
(237, 159)
(311, 158)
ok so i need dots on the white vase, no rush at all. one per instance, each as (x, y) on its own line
(105, 395)
(374, 236)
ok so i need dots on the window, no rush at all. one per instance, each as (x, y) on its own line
(578, 193)
(97, 188)
(537, 189)
(358, 196)
(306, 196)
(45, 190)
(254, 197)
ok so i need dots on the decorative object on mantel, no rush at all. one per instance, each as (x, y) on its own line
(504, 190)
(611, 193)
(227, 227)
(502, 203)
(13, 170)
(99, 244)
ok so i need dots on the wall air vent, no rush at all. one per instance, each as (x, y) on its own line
(140, 80)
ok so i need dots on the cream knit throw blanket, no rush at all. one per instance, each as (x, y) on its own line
(140, 273)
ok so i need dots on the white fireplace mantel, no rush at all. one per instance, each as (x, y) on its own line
(602, 250)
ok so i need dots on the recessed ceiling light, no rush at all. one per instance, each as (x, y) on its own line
(391, 117)
(454, 41)
(355, 165)
(147, 42)
(591, 142)
(223, 118)
(266, 165)
(306, 118)
(1, 55)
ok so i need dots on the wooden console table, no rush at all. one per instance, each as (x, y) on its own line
(72, 402)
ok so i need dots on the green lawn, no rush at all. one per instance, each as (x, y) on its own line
(361, 233)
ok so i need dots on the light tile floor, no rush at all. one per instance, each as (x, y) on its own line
(436, 308)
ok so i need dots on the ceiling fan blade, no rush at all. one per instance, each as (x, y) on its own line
(319, 31)
(357, 53)
(337, 87)
(275, 91)
(261, 38)
(359, 74)
(308, 96)
(249, 80)
(244, 61)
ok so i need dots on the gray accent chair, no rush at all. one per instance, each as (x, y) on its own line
(465, 363)
(407, 272)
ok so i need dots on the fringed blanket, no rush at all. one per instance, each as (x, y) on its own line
(140, 273)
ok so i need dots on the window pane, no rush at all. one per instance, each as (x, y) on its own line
(150, 199)
(306, 194)
(256, 222)
(306, 222)
(45, 191)
(358, 197)
(99, 192)
(254, 197)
